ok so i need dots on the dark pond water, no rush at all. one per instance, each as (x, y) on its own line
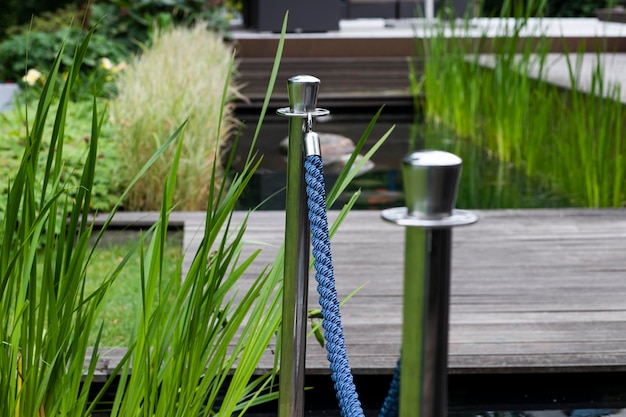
(485, 183)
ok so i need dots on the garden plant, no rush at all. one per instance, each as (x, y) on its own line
(76, 131)
(180, 76)
(188, 66)
(495, 95)
(195, 344)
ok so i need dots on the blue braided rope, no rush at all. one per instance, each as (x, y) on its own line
(341, 374)
(391, 404)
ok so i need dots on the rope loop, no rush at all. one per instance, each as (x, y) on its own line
(341, 373)
(333, 330)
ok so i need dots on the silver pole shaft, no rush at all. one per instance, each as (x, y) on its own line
(423, 380)
(302, 99)
(414, 321)
(295, 283)
(430, 186)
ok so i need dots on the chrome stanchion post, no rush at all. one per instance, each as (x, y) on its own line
(430, 184)
(303, 90)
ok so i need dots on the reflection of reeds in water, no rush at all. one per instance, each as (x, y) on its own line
(569, 141)
(487, 182)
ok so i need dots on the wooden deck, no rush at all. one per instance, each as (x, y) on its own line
(365, 62)
(533, 291)
(347, 81)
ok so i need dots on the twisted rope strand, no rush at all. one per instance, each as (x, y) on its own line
(349, 403)
(391, 405)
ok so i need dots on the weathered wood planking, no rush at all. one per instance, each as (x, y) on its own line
(532, 290)
(346, 80)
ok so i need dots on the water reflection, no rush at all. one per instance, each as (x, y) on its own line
(485, 183)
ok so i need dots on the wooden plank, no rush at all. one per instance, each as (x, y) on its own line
(532, 290)
(354, 81)
(569, 260)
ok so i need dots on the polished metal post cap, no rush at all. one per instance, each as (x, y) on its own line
(302, 91)
(431, 180)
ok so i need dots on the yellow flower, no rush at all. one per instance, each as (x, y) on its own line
(106, 64)
(32, 76)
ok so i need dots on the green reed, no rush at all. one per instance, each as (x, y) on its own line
(591, 164)
(195, 345)
(197, 355)
(48, 313)
(493, 93)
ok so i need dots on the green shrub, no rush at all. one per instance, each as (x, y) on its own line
(133, 22)
(77, 134)
(24, 51)
(50, 314)
(52, 21)
(181, 77)
(18, 13)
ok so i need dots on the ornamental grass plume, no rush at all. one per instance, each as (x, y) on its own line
(180, 77)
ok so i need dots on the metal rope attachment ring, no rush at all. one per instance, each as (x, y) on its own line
(309, 122)
(401, 217)
(287, 111)
(312, 144)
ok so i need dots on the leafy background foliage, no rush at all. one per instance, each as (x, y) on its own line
(38, 50)
(106, 187)
(127, 31)
(133, 22)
